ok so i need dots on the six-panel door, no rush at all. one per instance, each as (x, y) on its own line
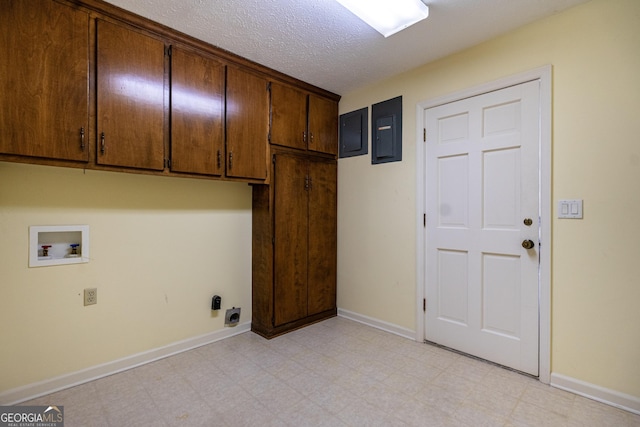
(482, 203)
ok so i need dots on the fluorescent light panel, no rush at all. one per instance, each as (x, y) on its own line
(388, 16)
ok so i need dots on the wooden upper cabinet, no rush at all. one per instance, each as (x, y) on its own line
(288, 116)
(44, 80)
(247, 124)
(323, 125)
(197, 113)
(302, 120)
(130, 98)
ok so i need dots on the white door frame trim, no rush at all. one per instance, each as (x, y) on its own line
(544, 75)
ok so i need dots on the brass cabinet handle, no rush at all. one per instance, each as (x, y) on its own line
(231, 160)
(102, 143)
(82, 138)
(219, 159)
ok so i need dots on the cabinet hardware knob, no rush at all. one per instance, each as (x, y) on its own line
(219, 159)
(102, 143)
(82, 138)
(231, 160)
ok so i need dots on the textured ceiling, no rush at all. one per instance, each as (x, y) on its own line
(322, 43)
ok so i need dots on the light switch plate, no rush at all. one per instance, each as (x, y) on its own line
(570, 208)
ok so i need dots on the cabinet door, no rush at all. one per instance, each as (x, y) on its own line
(247, 124)
(322, 245)
(130, 98)
(197, 113)
(290, 250)
(288, 117)
(323, 125)
(44, 98)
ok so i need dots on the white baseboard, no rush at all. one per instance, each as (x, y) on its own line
(595, 392)
(32, 391)
(378, 324)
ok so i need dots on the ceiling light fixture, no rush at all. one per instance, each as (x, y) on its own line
(388, 17)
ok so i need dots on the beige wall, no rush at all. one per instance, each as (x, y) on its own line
(595, 53)
(160, 248)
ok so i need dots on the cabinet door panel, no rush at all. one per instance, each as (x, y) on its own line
(322, 237)
(323, 125)
(288, 116)
(130, 98)
(247, 124)
(44, 98)
(197, 113)
(290, 251)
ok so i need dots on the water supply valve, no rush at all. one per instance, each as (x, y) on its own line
(74, 249)
(45, 250)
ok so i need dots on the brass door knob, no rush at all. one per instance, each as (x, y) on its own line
(528, 244)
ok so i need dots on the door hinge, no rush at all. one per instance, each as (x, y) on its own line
(167, 163)
(424, 134)
(424, 304)
(167, 50)
(268, 86)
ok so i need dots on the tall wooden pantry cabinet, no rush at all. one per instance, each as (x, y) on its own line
(294, 246)
(295, 217)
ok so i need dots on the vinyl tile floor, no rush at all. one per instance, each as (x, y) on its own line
(334, 373)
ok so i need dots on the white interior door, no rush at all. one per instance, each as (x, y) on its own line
(482, 203)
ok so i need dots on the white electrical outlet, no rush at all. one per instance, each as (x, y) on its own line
(90, 296)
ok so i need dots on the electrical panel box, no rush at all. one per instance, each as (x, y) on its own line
(353, 133)
(386, 128)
